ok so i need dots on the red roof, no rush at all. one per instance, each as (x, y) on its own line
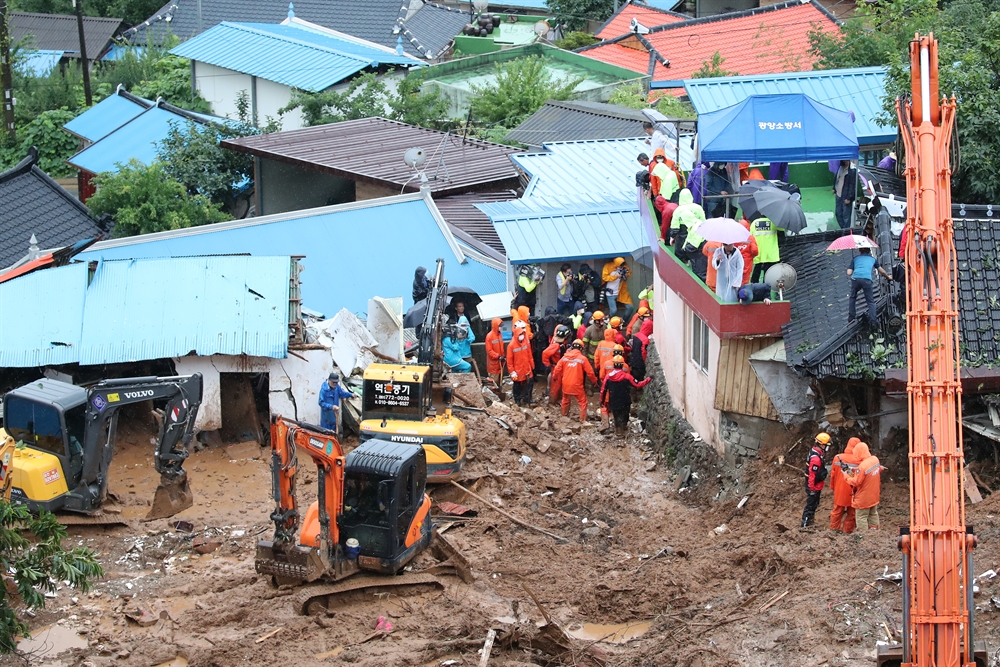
(620, 23)
(757, 41)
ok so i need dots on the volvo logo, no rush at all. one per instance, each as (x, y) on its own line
(138, 394)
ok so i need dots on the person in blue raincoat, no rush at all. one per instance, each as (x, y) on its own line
(465, 336)
(451, 347)
(330, 395)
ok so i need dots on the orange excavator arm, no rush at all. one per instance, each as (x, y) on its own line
(288, 437)
(937, 559)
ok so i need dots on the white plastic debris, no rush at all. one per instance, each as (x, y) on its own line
(547, 493)
(238, 533)
(988, 574)
(525, 460)
(719, 530)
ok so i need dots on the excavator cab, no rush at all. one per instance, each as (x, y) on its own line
(49, 417)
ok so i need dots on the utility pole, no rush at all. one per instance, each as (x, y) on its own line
(83, 52)
(6, 76)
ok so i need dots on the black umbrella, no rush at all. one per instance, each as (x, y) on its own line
(415, 315)
(467, 295)
(747, 190)
(782, 208)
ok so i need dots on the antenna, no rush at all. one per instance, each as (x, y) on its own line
(781, 277)
(414, 157)
(636, 27)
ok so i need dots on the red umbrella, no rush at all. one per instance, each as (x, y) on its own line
(852, 242)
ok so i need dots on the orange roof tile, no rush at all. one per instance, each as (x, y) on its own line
(770, 39)
(620, 23)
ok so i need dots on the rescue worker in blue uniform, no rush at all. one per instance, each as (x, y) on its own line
(330, 395)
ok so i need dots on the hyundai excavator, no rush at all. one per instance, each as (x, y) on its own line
(937, 545)
(58, 441)
(375, 496)
(398, 399)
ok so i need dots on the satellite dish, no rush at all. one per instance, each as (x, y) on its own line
(414, 157)
(542, 28)
(781, 277)
(636, 27)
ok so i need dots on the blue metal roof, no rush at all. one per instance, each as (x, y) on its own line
(147, 309)
(860, 90)
(137, 139)
(600, 167)
(38, 63)
(161, 308)
(559, 228)
(105, 117)
(47, 335)
(289, 54)
(351, 251)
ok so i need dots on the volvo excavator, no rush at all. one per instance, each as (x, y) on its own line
(371, 513)
(937, 545)
(398, 399)
(58, 440)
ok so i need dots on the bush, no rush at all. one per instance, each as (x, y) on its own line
(522, 86)
(576, 40)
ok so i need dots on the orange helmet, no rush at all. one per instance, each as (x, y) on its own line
(616, 322)
(598, 316)
(619, 361)
(619, 350)
(643, 312)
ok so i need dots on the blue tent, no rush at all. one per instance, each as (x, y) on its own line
(777, 128)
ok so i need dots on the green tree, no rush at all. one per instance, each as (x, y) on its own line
(34, 566)
(876, 35)
(712, 68)
(364, 97)
(575, 13)
(54, 144)
(171, 80)
(576, 40)
(132, 11)
(520, 89)
(634, 96)
(416, 106)
(144, 199)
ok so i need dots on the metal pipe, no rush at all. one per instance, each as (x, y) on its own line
(925, 83)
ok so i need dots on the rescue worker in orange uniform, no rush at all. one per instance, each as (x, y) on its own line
(521, 364)
(708, 250)
(551, 356)
(643, 311)
(569, 375)
(867, 484)
(842, 515)
(609, 363)
(523, 314)
(621, 337)
(495, 355)
(605, 349)
(815, 475)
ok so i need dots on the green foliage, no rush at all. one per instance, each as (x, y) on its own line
(576, 40)
(672, 107)
(145, 199)
(575, 13)
(631, 95)
(133, 11)
(54, 144)
(522, 86)
(35, 566)
(366, 96)
(171, 80)
(411, 104)
(712, 68)
(969, 55)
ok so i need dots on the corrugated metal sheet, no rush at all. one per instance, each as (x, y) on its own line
(577, 121)
(287, 54)
(371, 150)
(351, 251)
(160, 308)
(38, 63)
(566, 228)
(859, 90)
(41, 316)
(106, 116)
(575, 167)
(737, 388)
(461, 213)
(59, 32)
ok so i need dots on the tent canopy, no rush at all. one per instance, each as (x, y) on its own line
(777, 128)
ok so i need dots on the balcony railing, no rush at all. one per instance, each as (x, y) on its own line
(727, 320)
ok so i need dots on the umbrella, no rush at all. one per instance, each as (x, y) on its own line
(852, 242)
(415, 315)
(747, 203)
(722, 230)
(467, 295)
(782, 208)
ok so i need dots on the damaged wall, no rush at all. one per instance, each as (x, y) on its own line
(294, 383)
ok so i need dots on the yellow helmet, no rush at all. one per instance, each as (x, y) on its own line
(823, 439)
(598, 316)
(616, 322)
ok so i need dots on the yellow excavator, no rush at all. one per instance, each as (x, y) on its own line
(398, 399)
(58, 439)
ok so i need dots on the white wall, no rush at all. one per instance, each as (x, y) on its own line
(272, 96)
(222, 87)
(692, 391)
(294, 383)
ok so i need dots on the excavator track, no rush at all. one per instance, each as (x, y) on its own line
(318, 598)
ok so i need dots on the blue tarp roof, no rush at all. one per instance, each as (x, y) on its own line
(777, 128)
(137, 139)
(106, 116)
(567, 228)
(147, 309)
(352, 251)
(38, 63)
(859, 90)
(290, 54)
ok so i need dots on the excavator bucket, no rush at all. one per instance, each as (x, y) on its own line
(173, 495)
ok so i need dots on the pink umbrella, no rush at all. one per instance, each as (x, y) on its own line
(852, 242)
(723, 230)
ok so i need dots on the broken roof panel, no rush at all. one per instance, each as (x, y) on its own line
(620, 23)
(577, 121)
(350, 251)
(371, 150)
(774, 38)
(58, 32)
(31, 203)
(290, 54)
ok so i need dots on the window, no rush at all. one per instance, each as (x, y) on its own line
(699, 343)
(36, 424)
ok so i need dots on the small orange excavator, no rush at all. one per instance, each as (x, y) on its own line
(371, 513)
(937, 545)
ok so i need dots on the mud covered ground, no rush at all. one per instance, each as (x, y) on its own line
(647, 574)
